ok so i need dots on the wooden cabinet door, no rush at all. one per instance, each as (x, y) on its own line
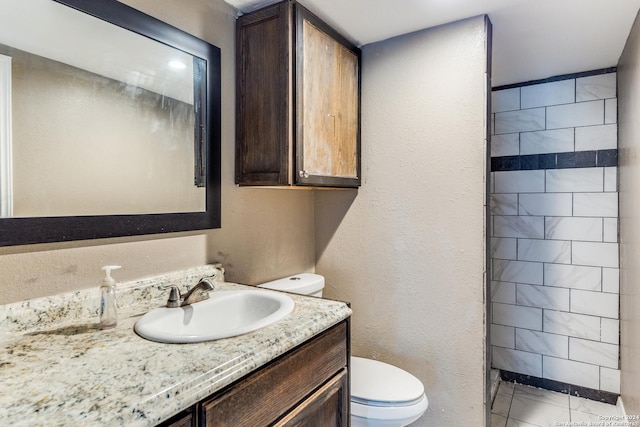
(184, 419)
(327, 105)
(263, 130)
(327, 407)
(268, 394)
(297, 100)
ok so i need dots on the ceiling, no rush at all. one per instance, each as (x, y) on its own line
(532, 39)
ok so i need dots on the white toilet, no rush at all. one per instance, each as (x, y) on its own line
(381, 394)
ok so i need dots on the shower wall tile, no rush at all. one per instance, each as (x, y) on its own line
(504, 292)
(554, 237)
(542, 297)
(542, 343)
(595, 204)
(611, 280)
(610, 380)
(573, 228)
(611, 179)
(503, 336)
(553, 93)
(503, 248)
(575, 180)
(555, 251)
(518, 271)
(517, 361)
(593, 352)
(610, 232)
(519, 182)
(544, 204)
(600, 86)
(610, 331)
(595, 254)
(611, 111)
(505, 100)
(602, 137)
(574, 115)
(504, 204)
(518, 226)
(569, 371)
(515, 315)
(573, 276)
(547, 141)
(571, 324)
(595, 303)
(507, 144)
(521, 120)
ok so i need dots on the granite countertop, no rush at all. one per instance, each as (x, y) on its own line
(58, 368)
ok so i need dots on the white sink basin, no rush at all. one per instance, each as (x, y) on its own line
(225, 314)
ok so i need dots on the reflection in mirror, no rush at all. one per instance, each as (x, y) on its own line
(108, 118)
(101, 124)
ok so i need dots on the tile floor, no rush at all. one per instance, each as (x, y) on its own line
(517, 405)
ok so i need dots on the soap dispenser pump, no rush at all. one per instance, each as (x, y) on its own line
(108, 311)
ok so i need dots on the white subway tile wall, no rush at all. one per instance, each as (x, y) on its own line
(546, 141)
(504, 292)
(554, 243)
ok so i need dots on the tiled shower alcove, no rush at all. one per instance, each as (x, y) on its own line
(554, 237)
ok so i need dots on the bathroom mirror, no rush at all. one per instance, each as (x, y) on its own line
(109, 123)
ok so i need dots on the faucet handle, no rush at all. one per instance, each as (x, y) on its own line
(175, 299)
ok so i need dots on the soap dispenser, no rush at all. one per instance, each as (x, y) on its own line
(108, 312)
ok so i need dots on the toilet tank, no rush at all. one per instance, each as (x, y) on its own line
(303, 283)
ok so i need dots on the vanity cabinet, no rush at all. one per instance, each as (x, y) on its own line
(307, 386)
(297, 101)
(183, 419)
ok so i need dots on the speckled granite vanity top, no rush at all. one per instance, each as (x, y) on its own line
(58, 368)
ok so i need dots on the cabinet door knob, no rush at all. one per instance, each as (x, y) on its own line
(303, 174)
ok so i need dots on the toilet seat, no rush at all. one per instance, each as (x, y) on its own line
(395, 413)
(385, 392)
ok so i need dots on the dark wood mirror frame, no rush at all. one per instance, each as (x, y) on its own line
(21, 231)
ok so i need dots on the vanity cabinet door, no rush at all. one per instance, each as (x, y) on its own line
(327, 407)
(297, 101)
(269, 394)
(184, 419)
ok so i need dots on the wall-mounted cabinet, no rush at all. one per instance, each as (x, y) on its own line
(297, 101)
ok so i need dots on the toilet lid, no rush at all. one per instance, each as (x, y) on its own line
(376, 381)
(303, 283)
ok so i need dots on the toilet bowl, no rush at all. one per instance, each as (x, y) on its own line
(382, 395)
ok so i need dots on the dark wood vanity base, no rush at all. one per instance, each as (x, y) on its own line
(308, 386)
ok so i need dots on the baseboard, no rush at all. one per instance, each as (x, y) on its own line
(574, 390)
(620, 406)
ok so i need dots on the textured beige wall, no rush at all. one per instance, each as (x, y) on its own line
(265, 233)
(408, 250)
(629, 182)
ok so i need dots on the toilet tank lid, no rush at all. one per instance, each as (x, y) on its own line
(303, 283)
(376, 381)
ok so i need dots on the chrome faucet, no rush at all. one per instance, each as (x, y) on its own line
(198, 293)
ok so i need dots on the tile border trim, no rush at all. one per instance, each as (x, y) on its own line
(565, 388)
(566, 160)
(557, 78)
